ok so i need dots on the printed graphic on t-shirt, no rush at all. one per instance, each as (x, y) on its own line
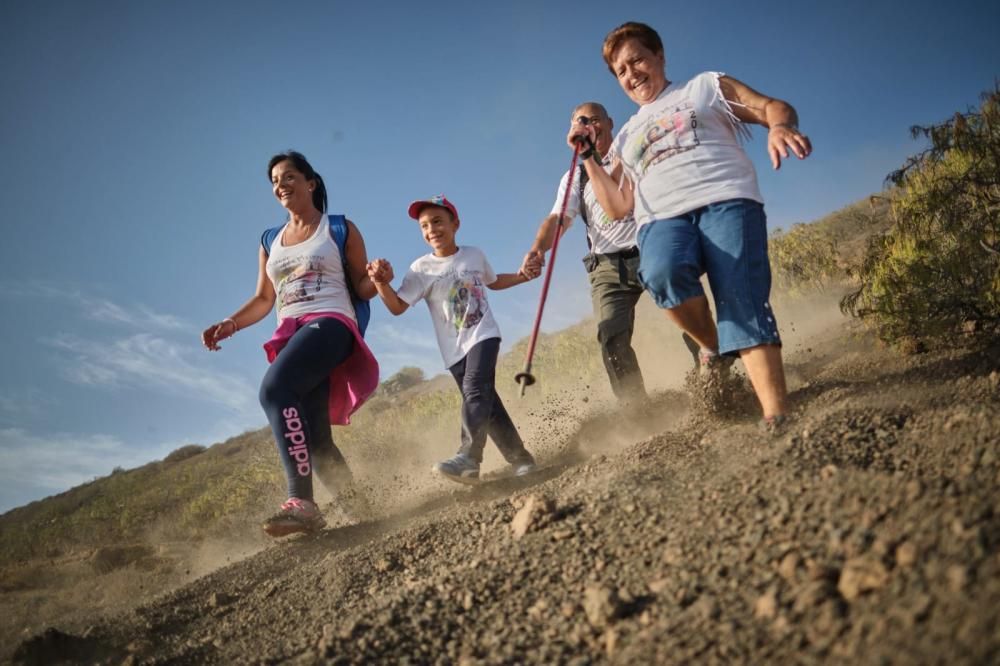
(466, 302)
(299, 278)
(671, 133)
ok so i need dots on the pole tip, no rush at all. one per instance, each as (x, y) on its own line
(525, 379)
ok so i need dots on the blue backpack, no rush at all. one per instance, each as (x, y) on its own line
(339, 231)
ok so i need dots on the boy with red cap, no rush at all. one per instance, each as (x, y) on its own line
(453, 281)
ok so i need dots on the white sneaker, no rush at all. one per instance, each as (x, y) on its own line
(459, 468)
(524, 469)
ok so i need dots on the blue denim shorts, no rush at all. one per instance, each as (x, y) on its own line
(728, 241)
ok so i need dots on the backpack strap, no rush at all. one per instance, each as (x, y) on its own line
(267, 238)
(584, 177)
(340, 231)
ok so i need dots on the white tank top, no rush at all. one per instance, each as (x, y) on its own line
(309, 277)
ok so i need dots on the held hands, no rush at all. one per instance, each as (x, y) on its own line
(380, 271)
(781, 138)
(215, 333)
(532, 265)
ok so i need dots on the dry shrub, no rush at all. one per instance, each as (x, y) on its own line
(935, 273)
(183, 453)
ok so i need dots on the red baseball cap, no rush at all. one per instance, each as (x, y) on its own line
(437, 200)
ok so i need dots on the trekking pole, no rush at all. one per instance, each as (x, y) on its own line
(525, 378)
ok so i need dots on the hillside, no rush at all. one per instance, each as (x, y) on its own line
(867, 533)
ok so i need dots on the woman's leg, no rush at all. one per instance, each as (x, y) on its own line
(305, 362)
(329, 463)
(740, 275)
(694, 317)
(767, 374)
(670, 268)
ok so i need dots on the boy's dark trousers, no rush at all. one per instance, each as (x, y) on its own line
(482, 411)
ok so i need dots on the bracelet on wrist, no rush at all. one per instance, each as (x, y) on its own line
(232, 321)
(791, 126)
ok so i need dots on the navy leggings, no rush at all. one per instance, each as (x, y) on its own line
(294, 393)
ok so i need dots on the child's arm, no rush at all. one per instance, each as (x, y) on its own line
(380, 273)
(507, 280)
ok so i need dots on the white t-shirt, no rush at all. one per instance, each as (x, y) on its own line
(606, 235)
(309, 276)
(455, 290)
(682, 151)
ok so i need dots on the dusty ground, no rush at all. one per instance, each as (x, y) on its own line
(868, 533)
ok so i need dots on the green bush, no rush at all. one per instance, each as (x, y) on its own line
(936, 272)
(255, 484)
(817, 256)
(407, 377)
(803, 259)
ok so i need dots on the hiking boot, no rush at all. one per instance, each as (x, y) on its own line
(774, 426)
(460, 468)
(295, 515)
(524, 468)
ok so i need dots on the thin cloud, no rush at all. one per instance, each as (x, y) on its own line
(138, 316)
(141, 317)
(397, 346)
(23, 401)
(91, 374)
(150, 362)
(32, 467)
(412, 337)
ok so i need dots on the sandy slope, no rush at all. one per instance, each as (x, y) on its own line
(868, 533)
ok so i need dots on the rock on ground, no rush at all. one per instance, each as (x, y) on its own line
(868, 533)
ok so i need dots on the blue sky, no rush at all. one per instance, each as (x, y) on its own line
(136, 135)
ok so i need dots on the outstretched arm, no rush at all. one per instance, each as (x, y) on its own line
(507, 280)
(255, 309)
(777, 115)
(379, 273)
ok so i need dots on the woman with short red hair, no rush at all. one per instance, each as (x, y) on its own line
(681, 169)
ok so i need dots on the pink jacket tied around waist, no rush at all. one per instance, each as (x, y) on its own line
(352, 382)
